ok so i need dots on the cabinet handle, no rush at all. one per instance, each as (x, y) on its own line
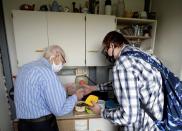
(93, 51)
(39, 50)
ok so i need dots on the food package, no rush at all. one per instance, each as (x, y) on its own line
(80, 106)
(90, 99)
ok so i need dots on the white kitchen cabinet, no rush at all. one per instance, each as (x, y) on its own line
(101, 124)
(81, 123)
(30, 31)
(68, 31)
(80, 35)
(97, 26)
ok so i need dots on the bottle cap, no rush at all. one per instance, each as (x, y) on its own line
(108, 2)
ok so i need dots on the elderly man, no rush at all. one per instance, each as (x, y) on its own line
(39, 95)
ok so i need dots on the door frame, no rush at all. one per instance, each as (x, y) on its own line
(6, 61)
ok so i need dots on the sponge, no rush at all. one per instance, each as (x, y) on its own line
(90, 99)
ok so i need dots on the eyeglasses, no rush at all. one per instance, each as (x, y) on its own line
(104, 52)
(106, 48)
(64, 61)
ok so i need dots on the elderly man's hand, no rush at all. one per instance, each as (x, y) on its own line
(79, 93)
(70, 88)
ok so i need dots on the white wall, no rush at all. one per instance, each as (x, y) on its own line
(181, 73)
(9, 5)
(134, 5)
(168, 45)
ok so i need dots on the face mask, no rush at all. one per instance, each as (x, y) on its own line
(57, 68)
(111, 59)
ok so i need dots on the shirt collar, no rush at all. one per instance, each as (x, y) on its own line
(122, 49)
(45, 62)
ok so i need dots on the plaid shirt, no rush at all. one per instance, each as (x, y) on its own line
(135, 80)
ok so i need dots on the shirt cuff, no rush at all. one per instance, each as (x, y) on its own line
(98, 87)
(74, 98)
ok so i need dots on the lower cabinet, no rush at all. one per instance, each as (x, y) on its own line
(73, 125)
(101, 124)
(91, 124)
(87, 124)
(66, 125)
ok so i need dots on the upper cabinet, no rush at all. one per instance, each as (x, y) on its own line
(140, 32)
(80, 35)
(30, 31)
(97, 26)
(68, 31)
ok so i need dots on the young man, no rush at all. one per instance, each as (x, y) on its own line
(39, 95)
(134, 81)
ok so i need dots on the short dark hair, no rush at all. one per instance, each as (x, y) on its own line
(114, 37)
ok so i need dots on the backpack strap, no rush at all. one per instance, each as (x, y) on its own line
(146, 58)
(147, 111)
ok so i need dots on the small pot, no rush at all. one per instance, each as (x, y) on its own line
(27, 7)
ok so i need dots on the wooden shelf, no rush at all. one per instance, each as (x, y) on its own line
(137, 37)
(122, 20)
(145, 43)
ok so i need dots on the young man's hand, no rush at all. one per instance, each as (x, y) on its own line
(95, 108)
(88, 89)
(79, 93)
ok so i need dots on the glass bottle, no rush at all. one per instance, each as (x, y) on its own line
(108, 7)
(120, 8)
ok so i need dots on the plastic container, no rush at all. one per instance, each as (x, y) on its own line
(102, 103)
(108, 9)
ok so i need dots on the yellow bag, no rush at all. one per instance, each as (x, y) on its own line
(90, 99)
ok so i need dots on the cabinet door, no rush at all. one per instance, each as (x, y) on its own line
(101, 124)
(30, 31)
(68, 31)
(66, 125)
(97, 26)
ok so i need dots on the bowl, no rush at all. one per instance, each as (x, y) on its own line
(80, 106)
(128, 13)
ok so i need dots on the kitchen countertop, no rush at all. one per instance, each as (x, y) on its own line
(75, 115)
(78, 115)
